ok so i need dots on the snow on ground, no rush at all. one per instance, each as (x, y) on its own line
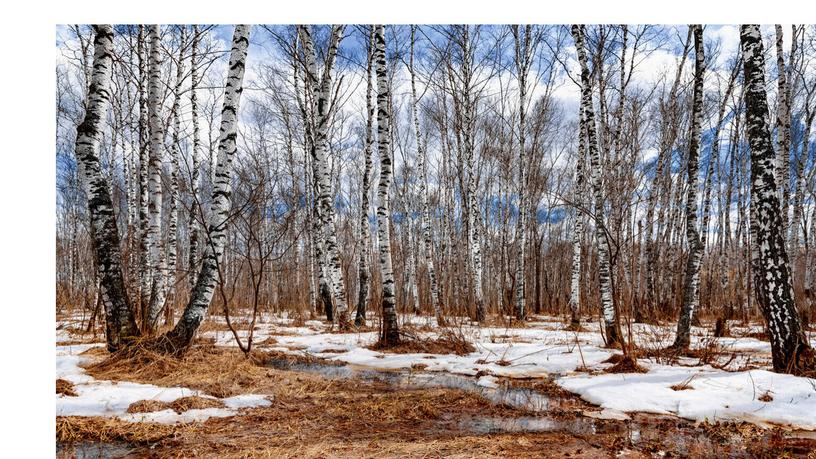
(541, 348)
(544, 348)
(711, 394)
(111, 399)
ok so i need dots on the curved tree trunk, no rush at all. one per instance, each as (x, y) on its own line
(120, 324)
(180, 338)
(769, 259)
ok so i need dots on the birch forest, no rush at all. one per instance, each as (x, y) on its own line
(435, 240)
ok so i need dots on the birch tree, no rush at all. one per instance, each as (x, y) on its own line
(783, 129)
(193, 227)
(365, 243)
(587, 121)
(120, 323)
(423, 187)
(691, 289)
(390, 331)
(180, 338)
(525, 44)
(154, 229)
(144, 166)
(319, 88)
(769, 259)
(175, 152)
(578, 228)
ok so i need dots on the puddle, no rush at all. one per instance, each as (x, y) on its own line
(503, 425)
(88, 450)
(660, 435)
(518, 398)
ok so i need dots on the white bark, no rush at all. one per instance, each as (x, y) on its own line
(390, 332)
(201, 296)
(423, 189)
(320, 90)
(194, 227)
(769, 259)
(154, 230)
(120, 321)
(588, 121)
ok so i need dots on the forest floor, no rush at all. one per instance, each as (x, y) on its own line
(459, 391)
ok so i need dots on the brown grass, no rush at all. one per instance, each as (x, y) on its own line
(179, 405)
(217, 371)
(685, 385)
(627, 364)
(71, 429)
(448, 342)
(66, 388)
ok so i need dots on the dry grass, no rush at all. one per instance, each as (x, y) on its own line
(627, 364)
(217, 371)
(448, 342)
(685, 385)
(65, 388)
(71, 429)
(179, 405)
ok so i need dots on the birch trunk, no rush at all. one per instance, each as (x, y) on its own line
(769, 259)
(144, 166)
(154, 229)
(365, 228)
(423, 190)
(783, 129)
(180, 338)
(613, 335)
(578, 231)
(390, 332)
(691, 289)
(172, 224)
(321, 93)
(523, 55)
(120, 324)
(194, 227)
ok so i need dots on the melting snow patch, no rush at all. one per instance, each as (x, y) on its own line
(112, 399)
(712, 395)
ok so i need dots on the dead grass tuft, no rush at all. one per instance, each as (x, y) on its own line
(147, 406)
(766, 397)
(626, 364)
(72, 429)
(449, 341)
(685, 385)
(217, 371)
(179, 405)
(66, 388)
(614, 358)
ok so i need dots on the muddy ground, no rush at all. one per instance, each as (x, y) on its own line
(322, 410)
